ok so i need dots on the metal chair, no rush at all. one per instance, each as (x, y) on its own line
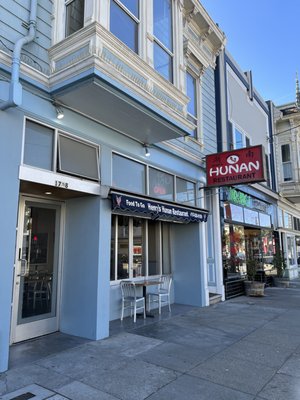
(131, 300)
(163, 293)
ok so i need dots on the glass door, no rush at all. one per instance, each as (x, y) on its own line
(36, 270)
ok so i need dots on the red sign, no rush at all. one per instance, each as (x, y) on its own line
(236, 166)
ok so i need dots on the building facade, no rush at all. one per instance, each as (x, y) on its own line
(286, 142)
(115, 188)
(249, 211)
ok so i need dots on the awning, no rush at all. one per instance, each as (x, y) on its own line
(150, 208)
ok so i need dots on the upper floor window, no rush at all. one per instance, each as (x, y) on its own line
(124, 22)
(74, 16)
(240, 139)
(163, 38)
(192, 107)
(286, 162)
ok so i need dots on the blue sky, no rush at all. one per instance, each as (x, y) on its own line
(264, 36)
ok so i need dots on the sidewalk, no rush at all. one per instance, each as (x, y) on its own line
(243, 349)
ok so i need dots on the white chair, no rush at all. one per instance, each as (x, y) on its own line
(163, 293)
(131, 300)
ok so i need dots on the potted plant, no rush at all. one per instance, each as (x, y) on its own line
(253, 287)
(279, 263)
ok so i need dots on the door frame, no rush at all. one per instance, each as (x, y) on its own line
(44, 325)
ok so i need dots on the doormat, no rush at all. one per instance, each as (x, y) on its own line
(34, 392)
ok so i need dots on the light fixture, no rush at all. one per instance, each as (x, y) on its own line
(59, 112)
(48, 193)
(147, 152)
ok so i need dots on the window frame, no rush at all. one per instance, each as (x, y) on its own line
(286, 163)
(138, 21)
(55, 165)
(232, 128)
(173, 176)
(114, 153)
(194, 119)
(114, 260)
(157, 41)
(66, 4)
(147, 179)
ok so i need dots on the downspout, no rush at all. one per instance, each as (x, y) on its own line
(15, 88)
(204, 272)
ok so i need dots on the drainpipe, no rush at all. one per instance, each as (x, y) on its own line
(15, 88)
(204, 275)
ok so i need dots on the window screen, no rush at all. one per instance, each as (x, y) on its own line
(78, 158)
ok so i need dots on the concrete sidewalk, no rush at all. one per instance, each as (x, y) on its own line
(243, 349)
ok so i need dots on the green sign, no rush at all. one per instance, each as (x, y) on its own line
(239, 198)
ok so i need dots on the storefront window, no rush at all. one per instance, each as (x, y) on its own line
(251, 217)
(185, 191)
(165, 246)
(241, 243)
(233, 212)
(153, 248)
(298, 250)
(234, 255)
(128, 175)
(123, 247)
(291, 250)
(161, 184)
(138, 250)
(131, 255)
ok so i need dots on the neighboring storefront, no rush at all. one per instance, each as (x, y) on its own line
(289, 237)
(248, 234)
(89, 216)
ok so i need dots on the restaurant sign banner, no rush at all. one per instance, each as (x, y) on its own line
(156, 210)
(235, 167)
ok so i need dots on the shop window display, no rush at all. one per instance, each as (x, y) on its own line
(240, 244)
